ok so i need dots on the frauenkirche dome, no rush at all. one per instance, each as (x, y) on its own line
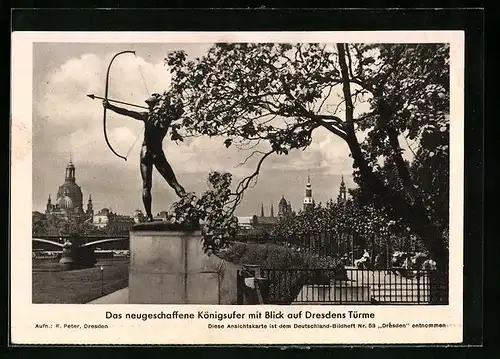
(64, 202)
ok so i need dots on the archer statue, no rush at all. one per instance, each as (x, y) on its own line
(152, 151)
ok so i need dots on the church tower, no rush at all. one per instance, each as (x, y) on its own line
(308, 199)
(90, 207)
(342, 197)
(262, 209)
(272, 210)
(49, 205)
(282, 207)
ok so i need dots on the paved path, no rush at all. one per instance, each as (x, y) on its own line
(118, 297)
(367, 285)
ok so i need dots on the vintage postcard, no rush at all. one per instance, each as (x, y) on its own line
(237, 188)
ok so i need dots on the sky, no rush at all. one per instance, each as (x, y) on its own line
(66, 123)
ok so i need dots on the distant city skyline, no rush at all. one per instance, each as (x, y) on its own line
(294, 193)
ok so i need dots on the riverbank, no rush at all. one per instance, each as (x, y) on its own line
(81, 285)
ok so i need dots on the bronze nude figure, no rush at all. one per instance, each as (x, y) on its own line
(152, 151)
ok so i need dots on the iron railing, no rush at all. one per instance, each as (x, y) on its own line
(355, 286)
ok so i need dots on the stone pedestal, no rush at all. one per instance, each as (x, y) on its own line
(168, 266)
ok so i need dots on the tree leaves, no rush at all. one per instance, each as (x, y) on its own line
(274, 93)
(369, 223)
(219, 225)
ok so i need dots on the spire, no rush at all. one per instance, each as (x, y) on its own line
(342, 197)
(262, 209)
(49, 207)
(90, 207)
(308, 184)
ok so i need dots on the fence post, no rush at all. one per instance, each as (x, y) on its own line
(262, 288)
(239, 288)
(438, 287)
(340, 292)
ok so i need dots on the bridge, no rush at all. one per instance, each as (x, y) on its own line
(84, 241)
(77, 251)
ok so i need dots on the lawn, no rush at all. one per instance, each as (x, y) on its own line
(81, 285)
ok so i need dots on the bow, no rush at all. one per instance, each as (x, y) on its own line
(106, 98)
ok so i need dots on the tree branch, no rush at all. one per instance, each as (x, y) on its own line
(352, 141)
(411, 149)
(349, 60)
(245, 183)
(326, 98)
(249, 157)
(242, 146)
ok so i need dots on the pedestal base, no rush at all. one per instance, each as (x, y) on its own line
(168, 266)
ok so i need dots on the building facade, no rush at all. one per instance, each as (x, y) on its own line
(264, 222)
(106, 219)
(258, 223)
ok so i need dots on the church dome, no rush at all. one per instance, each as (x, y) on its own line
(65, 202)
(73, 192)
(105, 212)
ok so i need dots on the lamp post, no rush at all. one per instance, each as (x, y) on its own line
(102, 280)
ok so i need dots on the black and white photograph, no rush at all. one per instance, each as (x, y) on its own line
(268, 173)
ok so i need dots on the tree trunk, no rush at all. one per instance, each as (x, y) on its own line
(414, 215)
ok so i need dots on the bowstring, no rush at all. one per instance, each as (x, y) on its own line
(135, 142)
(147, 90)
(142, 75)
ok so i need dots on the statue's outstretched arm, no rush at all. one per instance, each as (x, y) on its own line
(141, 116)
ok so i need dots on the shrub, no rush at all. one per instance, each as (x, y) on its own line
(235, 252)
(284, 283)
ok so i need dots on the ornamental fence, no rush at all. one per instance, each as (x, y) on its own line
(396, 286)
